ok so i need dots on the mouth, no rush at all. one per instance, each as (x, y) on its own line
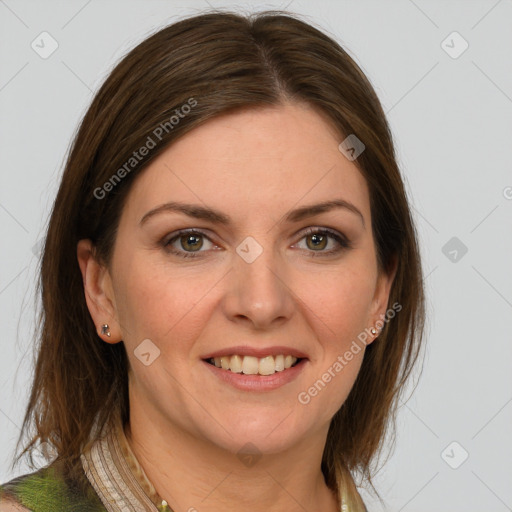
(250, 365)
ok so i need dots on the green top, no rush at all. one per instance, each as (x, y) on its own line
(47, 490)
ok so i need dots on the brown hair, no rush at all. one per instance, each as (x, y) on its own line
(223, 62)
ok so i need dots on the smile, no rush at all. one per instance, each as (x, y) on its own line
(250, 365)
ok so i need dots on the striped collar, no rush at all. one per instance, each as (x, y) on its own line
(117, 477)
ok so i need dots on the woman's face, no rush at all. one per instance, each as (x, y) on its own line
(251, 278)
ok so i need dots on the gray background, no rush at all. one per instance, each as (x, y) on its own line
(451, 120)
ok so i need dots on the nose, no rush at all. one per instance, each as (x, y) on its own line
(259, 292)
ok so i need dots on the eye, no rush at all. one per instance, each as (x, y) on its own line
(317, 239)
(189, 243)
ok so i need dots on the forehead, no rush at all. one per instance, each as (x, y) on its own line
(253, 161)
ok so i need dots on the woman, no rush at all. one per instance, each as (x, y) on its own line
(231, 283)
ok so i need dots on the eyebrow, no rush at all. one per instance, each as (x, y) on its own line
(215, 216)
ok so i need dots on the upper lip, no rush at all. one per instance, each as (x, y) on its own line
(243, 350)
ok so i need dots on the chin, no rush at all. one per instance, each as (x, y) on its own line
(257, 443)
(270, 433)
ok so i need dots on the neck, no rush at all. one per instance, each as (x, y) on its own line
(191, 473)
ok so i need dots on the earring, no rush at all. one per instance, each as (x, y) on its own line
(105, 329)
(373, 331)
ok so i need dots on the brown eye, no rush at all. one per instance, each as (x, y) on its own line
(187, 243)
(191, 242)
(318, 241)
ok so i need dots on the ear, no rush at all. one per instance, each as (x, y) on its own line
(98, 292)
(381, 297)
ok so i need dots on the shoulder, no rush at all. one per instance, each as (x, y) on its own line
(12, 506)
(48, 490)
(8, 505)
(10, 495)
(9, 498)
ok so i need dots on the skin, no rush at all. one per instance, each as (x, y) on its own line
(186, 425)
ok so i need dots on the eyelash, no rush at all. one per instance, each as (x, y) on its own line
(341, 240)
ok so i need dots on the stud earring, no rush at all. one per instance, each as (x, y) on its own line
(105, 329)
(373, 331)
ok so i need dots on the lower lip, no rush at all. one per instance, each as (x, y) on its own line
(258, 382)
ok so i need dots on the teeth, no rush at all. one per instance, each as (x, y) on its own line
(235, 363)
(267, 366)
(250, 365)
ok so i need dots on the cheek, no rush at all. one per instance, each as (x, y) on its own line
(153, 302)
(340, 299)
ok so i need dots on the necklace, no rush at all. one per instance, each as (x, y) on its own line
(164, 507)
